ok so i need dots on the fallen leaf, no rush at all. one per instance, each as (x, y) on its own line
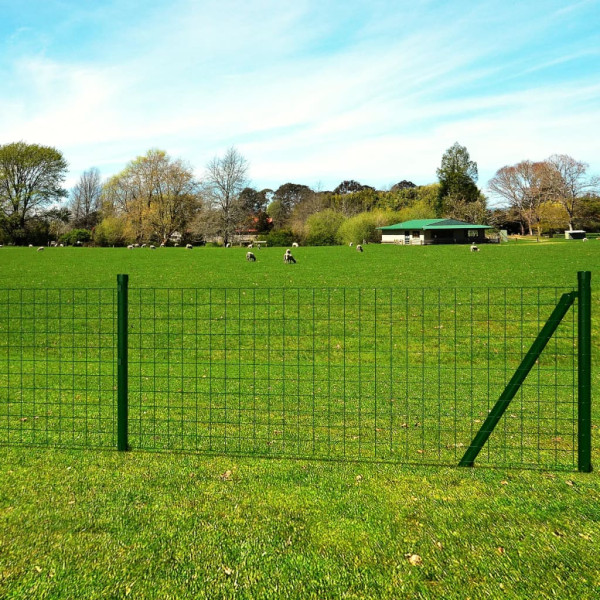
(23, 419)
(38, 569)
(358, 478)
(500, 550)
(439, 545)
(569, 482)
(227, 571)
(226, 476)
(415, 560)
(504, 482)
(585, 536)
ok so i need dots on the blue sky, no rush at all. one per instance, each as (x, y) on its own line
(309, 91)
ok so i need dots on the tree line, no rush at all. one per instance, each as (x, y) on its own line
(157, 198)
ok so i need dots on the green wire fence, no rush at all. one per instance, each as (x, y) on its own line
(415, 375)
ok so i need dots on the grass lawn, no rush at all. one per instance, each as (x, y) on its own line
(98, 524)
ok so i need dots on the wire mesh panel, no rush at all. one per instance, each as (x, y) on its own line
(406, 375)
(57, 367)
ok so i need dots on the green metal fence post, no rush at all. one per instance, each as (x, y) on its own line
(122, 400)
(584, 367)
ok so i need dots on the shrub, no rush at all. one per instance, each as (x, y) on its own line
(364, 226)
(280, 237)
(322, 228)
(110, 232)
(75, 235)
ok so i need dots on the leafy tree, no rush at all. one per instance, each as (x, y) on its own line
(402, 185)
(354, 202)
(155, 194)
(349, 187)
(457, 176)
(285, 198)
(31, 177)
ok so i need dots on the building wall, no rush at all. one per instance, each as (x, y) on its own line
(429, 236)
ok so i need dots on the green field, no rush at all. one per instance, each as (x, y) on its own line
(89, 523)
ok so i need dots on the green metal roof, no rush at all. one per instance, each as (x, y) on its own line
(434, 224)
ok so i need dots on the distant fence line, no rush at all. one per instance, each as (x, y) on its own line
(497, 376)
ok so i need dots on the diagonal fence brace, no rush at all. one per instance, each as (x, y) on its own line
(540, 342)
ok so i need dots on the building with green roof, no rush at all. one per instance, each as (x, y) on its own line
(433, 231)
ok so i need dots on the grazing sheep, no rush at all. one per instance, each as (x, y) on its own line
(136, 245)
(175, 245)
(143, 246)
(584, 240)
(152, 247)
(40, 249)
(250, 256)
(189, 247)
(249, 246)
(31, 245)
(62, 245)
(288, 258)
(474, 248)
(359, 248)
(227, 245)
(295, 245)
(162, 244)
(351, 244)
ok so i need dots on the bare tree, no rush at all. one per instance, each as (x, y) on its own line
(569, 181)
(223, 183)
(525, 187)
(85, 199)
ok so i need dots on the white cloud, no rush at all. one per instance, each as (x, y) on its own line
(303, 101)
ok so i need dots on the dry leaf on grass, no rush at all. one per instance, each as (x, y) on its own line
(414, 559)
(227, 570)
(226, 476)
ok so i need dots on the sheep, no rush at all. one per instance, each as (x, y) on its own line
(288, 258)
(152, 247)
(136, 245)
(351, 244)
(584, 240)
(474, 247)
(40, 249)
(31, 245)
(162, 244)
(175, 245)
(130, 247)
(250, 256)
(143, 246)
(359, 248)
(249, 246)
(227, 245)
(62, 245)
(295, 245)
(189, 247)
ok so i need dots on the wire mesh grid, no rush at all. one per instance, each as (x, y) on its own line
(57, 367)
(406, 375)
